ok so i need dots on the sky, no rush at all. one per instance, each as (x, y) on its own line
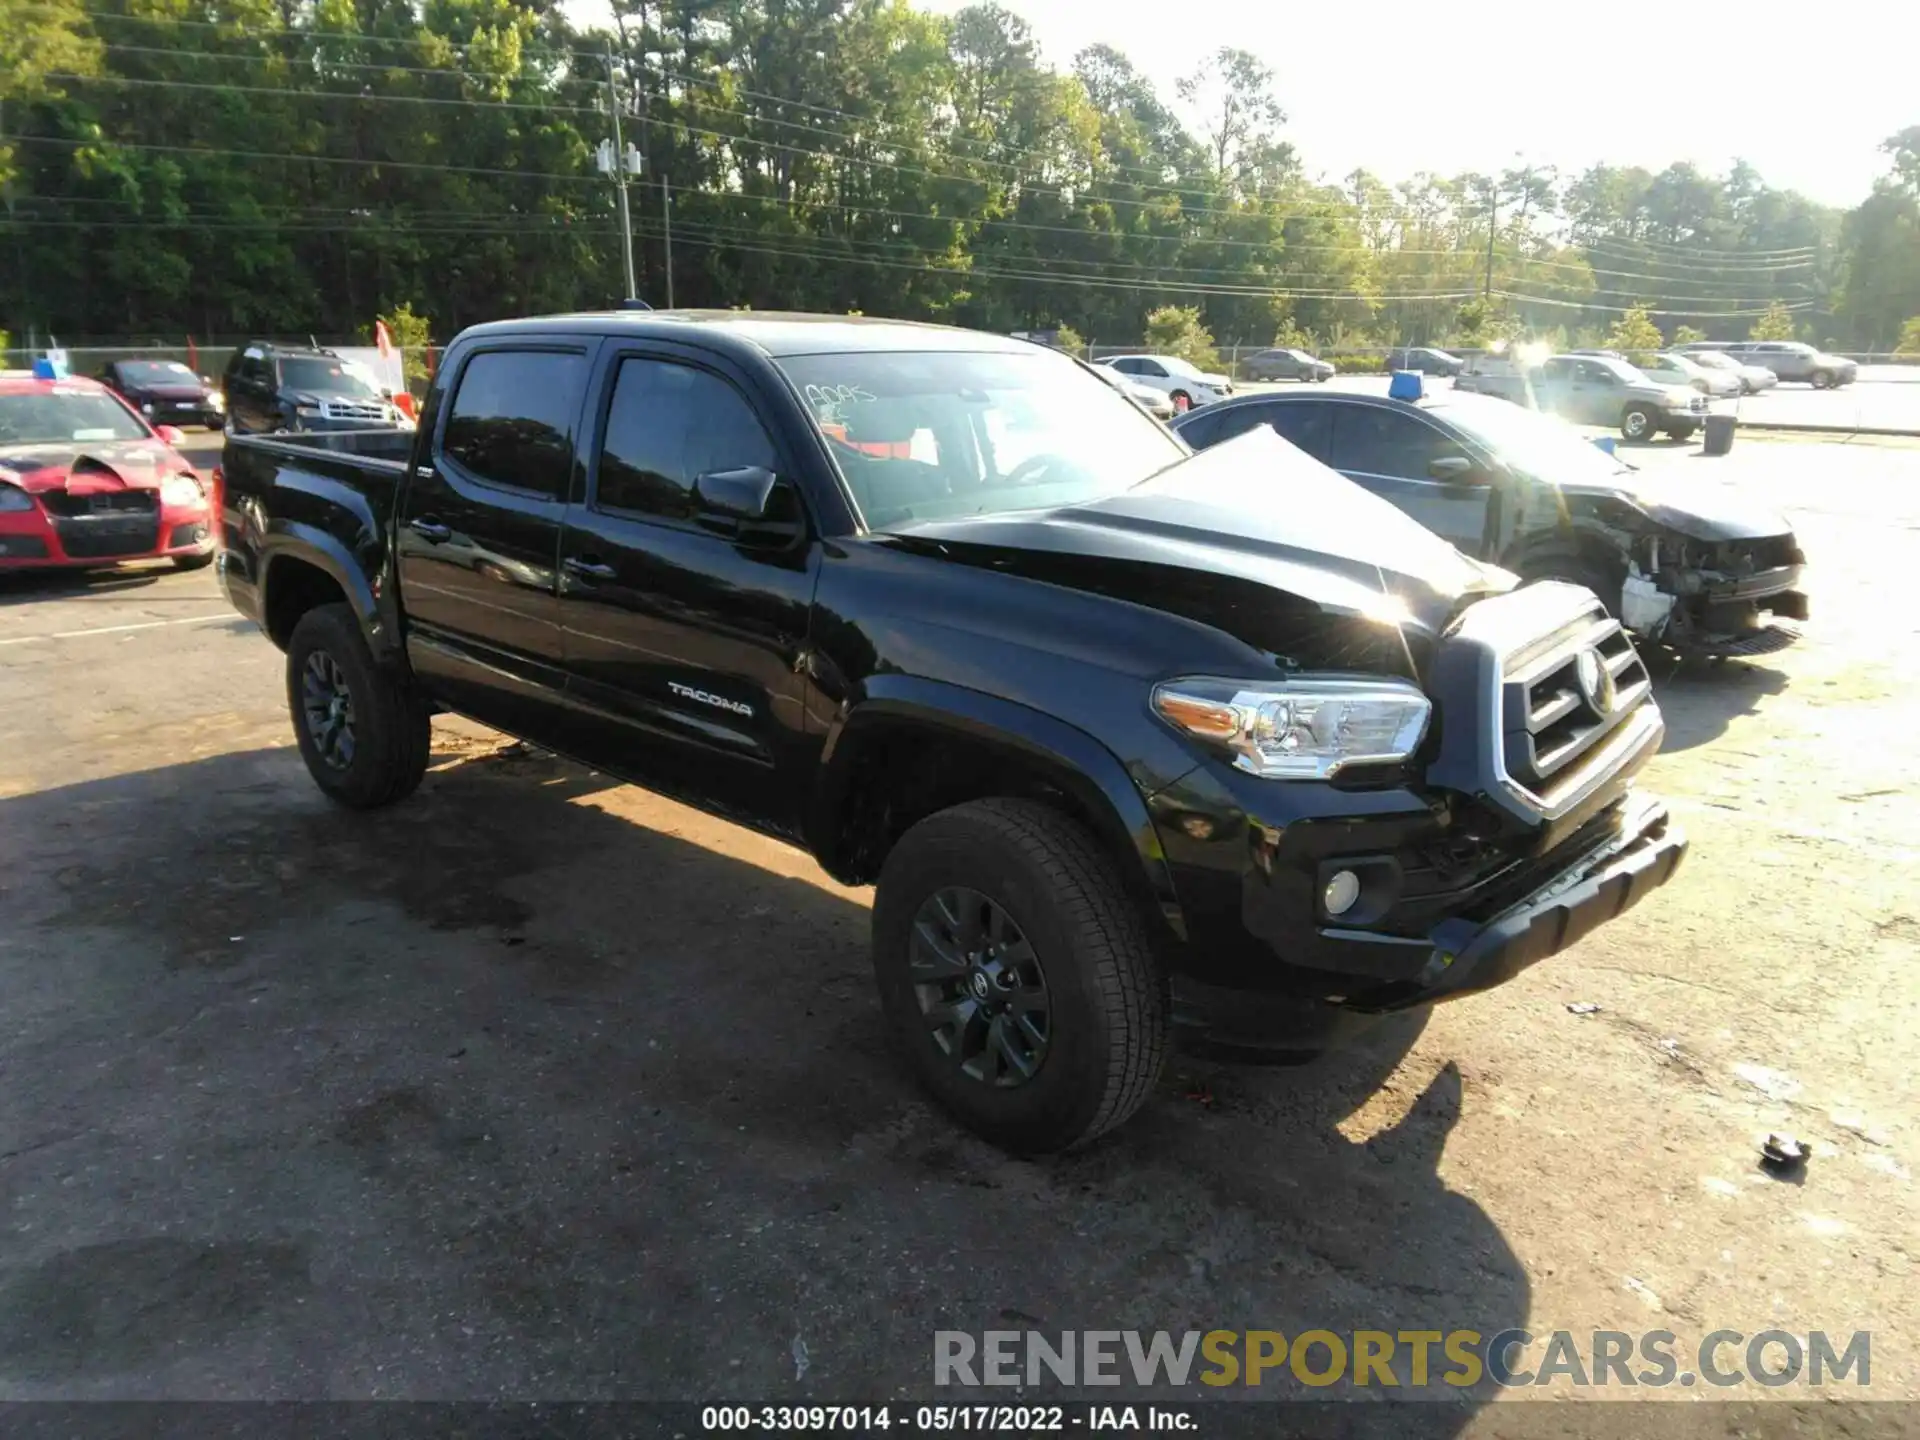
(1805, 94)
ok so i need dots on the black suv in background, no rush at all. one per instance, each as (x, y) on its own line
(280, 387)
(165, 392)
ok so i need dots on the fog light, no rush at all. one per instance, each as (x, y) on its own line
(1342, 890)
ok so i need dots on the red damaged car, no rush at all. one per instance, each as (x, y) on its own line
(85, 481)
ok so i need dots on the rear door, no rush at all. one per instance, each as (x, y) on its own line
(682, 638)
(478, 534)
(1392, 452)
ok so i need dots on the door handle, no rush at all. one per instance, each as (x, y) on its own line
(430, 529)
(588, 568)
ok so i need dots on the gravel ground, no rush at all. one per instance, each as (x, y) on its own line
(541, 1086)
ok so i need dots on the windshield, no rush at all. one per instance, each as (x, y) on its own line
(328, 376)
(1174, 365)
(1714, 360)
(1542, 446)
(1621, 368)
(156, 372)
(936, 434)
(60, 417)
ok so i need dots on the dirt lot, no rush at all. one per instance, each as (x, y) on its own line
(539, 1086)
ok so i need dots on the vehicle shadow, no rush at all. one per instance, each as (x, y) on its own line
(522, 1089)
(1700, 698)
(23, 587)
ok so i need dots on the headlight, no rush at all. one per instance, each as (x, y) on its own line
(311, 412)
(216, 401)
(146, 409)
(181, 490)
(1298, 729)
(13, 498)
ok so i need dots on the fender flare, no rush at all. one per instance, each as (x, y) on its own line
(1066, 755)
(293, 539)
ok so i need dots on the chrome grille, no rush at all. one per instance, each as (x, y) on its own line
(353, 410)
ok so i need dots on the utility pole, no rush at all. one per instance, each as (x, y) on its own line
(1493, 221)
(620, 161)
(666, 219)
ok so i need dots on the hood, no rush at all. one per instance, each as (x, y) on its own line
(167, 390)
(1217, 381)
(1698, 509)
(1250, 512)
(85, 468)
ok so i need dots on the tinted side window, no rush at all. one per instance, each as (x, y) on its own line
(1126, 367)
(1307, 426)
(669, 425)
(1153, 367)
(513, 416)
(1370, 440)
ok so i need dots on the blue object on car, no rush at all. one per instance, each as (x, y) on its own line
(1605, 442)
(51, 367)
(1405, 385)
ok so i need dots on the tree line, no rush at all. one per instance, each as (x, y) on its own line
(229, 167)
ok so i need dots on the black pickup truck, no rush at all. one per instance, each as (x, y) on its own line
(1128, 738)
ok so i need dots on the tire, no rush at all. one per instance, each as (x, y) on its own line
(1578, 570)
(193, 562)
(1821, 379)
(1104, 1002)
(1638, 422)
(1681, 432)
(1182, 402)
(386, 722)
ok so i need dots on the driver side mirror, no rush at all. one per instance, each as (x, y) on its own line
(1451, 467)
(750, 504)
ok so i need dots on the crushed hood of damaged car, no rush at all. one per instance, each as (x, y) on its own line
(1251, 512)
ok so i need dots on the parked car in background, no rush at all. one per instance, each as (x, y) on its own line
(1671, 368)
(1186, 385)
(1285, 365)
(1753, 378)
(275, 388)
(165, 392)
(85, 480)
(1792, 360)
(1426, 360)
(1590, 390)
(1024, 680)
(1155, 402)
(1695, 566)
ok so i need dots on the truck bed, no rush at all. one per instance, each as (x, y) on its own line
(384, 447)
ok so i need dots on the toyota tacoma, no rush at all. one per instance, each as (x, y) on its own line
(1128, 739)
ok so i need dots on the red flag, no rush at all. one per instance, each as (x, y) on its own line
(382, 339)
(193, 356)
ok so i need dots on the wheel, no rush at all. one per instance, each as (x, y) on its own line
(1822, 379)
(1182, 402)
(1578, 570)
(193, 562)
(1681, 432)
(1638, 422)
(1018, 975)
(363, 731)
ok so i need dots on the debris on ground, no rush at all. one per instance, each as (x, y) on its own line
(1774, 1084)
(1582, 1007)
(1646, 1293)
(1783, 1155)
(1201, 1095)
(800, 1361)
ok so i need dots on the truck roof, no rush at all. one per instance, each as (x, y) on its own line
(770, 332)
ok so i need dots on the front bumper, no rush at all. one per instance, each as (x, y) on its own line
(1458, 956)
(35, 540)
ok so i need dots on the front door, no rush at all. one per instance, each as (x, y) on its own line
(1393, 452)
(478, 536)
(683, 642)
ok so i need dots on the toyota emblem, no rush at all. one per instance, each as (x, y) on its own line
(980, 985)
(1596, 681)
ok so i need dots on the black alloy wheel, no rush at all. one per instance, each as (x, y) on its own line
(327, 705)
(980, 987)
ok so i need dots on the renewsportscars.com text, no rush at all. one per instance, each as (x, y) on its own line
(1378, 1358)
